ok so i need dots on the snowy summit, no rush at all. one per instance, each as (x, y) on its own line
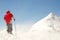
(48, 28)
(50, 22)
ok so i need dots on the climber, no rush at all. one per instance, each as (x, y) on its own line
(8, 19)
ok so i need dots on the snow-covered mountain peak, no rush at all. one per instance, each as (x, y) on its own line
(51, 14)
(48, 28)
(50, 22)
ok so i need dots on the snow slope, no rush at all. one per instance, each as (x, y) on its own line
(50, 22)
(47, 28)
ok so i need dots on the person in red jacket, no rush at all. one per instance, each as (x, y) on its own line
(8, 19)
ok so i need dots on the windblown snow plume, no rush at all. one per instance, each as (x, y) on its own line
(47, 28)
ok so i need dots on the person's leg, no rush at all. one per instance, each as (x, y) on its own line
(9, 28)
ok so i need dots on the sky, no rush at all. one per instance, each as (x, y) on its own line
(28, 11)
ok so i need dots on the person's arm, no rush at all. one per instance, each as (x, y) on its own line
(13, 16)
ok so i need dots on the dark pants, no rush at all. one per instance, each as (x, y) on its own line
(9, 28)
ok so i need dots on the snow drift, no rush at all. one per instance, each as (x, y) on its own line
(47, 28)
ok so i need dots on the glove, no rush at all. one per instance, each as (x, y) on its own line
(14, 19)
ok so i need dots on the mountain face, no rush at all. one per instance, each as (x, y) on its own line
(50, 22)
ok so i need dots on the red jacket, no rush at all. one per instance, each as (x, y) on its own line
(8, 17)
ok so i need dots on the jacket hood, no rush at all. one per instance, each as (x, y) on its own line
(7, 12)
